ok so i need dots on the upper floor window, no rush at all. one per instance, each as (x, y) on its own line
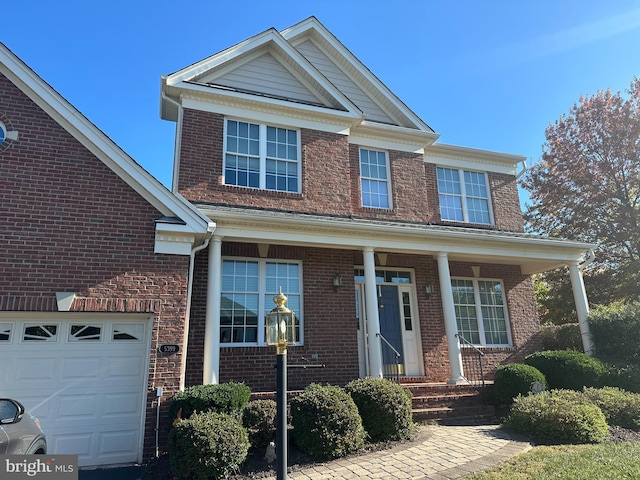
(374, 177)
(464, 196)
(481, 312)
(262, 156)
(248, 288)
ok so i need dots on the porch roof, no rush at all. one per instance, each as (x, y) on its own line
(533, 253)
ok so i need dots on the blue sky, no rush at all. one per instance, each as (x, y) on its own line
(484, 74)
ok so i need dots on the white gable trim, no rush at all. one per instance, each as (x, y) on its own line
(100, 145)
(269, 40)
(334, 49)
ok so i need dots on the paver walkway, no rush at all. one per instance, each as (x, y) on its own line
(443, 453)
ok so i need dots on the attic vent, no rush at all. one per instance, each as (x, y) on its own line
(7, 134)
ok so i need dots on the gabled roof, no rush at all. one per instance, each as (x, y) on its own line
(302, 84)
(303, 69)
(192, 222)
(345, 69)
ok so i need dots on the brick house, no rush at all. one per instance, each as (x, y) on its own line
(295, 167)
(95, 276)
(322, 182)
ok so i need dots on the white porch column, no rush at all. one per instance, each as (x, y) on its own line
(211, 361)
(450, 324)
(582, 307)
(373, 319)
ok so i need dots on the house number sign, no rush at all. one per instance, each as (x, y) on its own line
(169, 349)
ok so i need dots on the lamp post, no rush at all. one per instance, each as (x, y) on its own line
(280, 326)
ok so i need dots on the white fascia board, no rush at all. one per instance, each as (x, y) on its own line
(280, 114)
(332, 233)
(313, 24)
(391, 137)
(282, 47)
(472, 158)
(97, 142)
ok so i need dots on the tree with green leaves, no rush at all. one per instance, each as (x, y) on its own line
(586, 187)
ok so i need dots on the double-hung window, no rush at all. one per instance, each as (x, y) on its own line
(248, 288)
(481, 312)
(374, 177)
(262, 156)
(464, 196)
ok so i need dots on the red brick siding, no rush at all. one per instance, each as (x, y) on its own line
(69, 223)
(330, 327)
(330, 319)
(330, 179)
(506, 203)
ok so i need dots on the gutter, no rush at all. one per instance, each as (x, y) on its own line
(590, 256)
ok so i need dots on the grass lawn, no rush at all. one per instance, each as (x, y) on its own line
(607, 461)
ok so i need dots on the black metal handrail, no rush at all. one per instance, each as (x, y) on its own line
(395, 352)
(479, 367)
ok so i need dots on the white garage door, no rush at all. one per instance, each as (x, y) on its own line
(85, 379)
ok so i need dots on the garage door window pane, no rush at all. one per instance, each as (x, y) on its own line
(85, 332)
(48, 333)
(5, 332)
(128, 332)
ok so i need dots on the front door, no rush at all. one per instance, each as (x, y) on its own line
(390, 329)
(399, 326)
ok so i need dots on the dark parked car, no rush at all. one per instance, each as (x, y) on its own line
(20, 432)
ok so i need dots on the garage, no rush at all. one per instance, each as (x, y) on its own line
(84, 376)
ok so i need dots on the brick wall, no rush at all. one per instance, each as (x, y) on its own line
(330, 319)
(330, 179)
(68, 223)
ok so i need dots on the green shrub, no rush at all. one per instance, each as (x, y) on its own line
(563, 416)
(627, 378)
(515, 379)
(569, 369)
(259, 418)
(326, 423)
(619, 407)
(384, 406)
(229, 398)
(207, 445)
(616, 332)
(561, 337)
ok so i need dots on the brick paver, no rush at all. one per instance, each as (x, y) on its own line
(447, 452)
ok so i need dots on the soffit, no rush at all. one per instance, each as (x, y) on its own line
(532, 253)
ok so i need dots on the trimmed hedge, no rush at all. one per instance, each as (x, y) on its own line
(384, 406)
(619, 407)
(569, 369)
(561, 337)
(616, 332)
(515, 379)
(259, 418)
(207, 445)
(563, 416)
(229, 398)
(326, 423)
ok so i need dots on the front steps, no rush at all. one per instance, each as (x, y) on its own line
(449, 403)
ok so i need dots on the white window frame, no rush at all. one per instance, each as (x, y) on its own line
(478, 308)
(463, 196)
(262, 156)
(265, 305)
(387, 180)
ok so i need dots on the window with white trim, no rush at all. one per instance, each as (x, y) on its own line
(481, 312)
(463, 196)
(248, 288)
(261, 156)
(374, 179)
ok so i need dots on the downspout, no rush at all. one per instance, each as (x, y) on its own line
(590, 257)
(192, 261)
(581, 301)
(177, 145)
